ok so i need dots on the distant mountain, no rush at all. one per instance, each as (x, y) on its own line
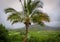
(37, 28)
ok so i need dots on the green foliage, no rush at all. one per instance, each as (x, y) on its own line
(36, 36)
(44, 36)
(3, 34)
(14, 17)
(39, 17)
(8, 10)
(32, 5)
(29, 9)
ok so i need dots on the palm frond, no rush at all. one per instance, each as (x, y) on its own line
(41, 23)
(29, 5)
(28, 2)
(32, 5)
(39, 17)
(8, 10)
(15, 21)
(37, 12)
(29, 14)
(15, 17)
(34, 18)
(44, 17)
(40, 5)
(25, 7)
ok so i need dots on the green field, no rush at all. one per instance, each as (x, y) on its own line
(35, 36)
(17, 35)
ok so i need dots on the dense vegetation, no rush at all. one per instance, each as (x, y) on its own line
(35, 36)
(3, 34)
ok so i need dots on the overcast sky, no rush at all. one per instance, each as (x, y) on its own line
(51, 7)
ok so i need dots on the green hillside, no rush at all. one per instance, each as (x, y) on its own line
(35, 36)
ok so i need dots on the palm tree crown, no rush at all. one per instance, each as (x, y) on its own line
(29, 14)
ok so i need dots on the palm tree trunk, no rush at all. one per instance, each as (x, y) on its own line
(26, 34)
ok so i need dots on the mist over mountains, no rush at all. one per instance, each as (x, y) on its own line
(37, 28)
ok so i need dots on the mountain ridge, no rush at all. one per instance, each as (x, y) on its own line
(37, 28)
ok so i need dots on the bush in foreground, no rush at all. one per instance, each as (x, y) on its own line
(3, 34)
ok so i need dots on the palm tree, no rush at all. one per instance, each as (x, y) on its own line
(30, 14)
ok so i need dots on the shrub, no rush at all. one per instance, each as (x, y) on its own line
(3, 34)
